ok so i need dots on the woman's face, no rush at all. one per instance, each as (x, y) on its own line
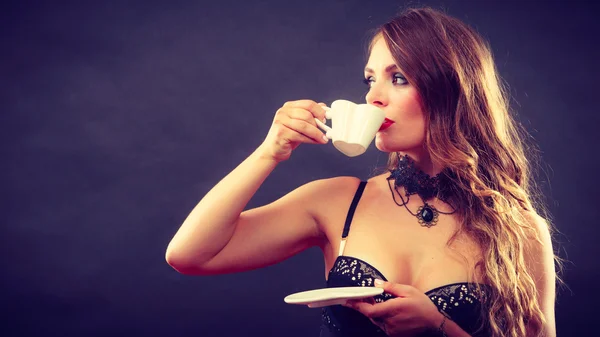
(390, 91)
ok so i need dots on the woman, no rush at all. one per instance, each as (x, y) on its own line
(450, 232)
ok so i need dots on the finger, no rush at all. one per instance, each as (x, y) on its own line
(307, 130)
(325, 108)
(366, 309)
(368, 300)
(285, 116)
(396, 289)
(360, 306)
(302, 114)
(380, 323)
(351, 303)
(388, 308)
(294, 136)
(373, 312)
(310, 105)
(382, 310)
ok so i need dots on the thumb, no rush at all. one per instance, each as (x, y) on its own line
(396, 289)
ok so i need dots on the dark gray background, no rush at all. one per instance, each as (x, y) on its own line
(117, 117)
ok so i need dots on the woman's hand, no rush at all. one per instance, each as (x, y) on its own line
(409, 314)
(294, 123)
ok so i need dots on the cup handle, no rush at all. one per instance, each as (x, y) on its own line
(323, 126)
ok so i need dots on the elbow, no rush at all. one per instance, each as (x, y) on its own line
(181, 263)
(174, 260)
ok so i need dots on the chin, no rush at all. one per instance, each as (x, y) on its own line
(384, 144)
(378, 143)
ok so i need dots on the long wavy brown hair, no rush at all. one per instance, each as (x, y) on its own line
(472, 134)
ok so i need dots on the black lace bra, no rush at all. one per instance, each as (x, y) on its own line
(462, 302)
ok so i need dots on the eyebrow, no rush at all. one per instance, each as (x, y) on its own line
(387, 69)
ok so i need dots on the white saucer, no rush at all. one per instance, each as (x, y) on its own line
(331, 296)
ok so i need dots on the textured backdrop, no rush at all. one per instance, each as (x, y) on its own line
(116, 117)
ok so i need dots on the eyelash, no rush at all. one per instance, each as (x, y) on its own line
(396, 76)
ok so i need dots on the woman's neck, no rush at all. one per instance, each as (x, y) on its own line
(423, 162)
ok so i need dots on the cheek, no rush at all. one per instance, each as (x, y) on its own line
(410, 129)
(414, 114)
(413, 106)
(403, 138)
(411, 117)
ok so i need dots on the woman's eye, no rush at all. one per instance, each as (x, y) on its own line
(396, 79)
(399, 79)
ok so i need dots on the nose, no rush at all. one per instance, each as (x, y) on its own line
(377, 95)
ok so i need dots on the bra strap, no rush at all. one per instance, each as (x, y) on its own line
(357, 195)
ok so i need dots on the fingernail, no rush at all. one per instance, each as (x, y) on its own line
(325, 139)
(378, 282)
(324, 119)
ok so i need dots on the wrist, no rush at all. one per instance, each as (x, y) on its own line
(269, 154)
(441, 329)
(436, 319)
(438, 323)
(263, 154)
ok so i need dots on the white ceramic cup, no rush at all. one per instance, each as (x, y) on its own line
(353, 126)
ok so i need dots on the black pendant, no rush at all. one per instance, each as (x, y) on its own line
(427, 215)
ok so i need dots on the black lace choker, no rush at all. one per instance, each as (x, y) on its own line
(415, 181)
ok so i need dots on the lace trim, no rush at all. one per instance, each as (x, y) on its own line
(352, 271)
(356, 272)
(451, 297)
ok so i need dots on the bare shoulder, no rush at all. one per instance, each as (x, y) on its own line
(324, 198)
(341, 181)
(335, 187)
(539, 257)
(328, 190)
(539, 253)
(538, 243)
(316, 199)
(539, 226)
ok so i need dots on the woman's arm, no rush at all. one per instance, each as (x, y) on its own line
(539, 258)
(211, 224)
(450, 328)
(540, 261)
(217, 237)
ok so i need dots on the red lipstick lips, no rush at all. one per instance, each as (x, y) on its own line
(386, 124)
